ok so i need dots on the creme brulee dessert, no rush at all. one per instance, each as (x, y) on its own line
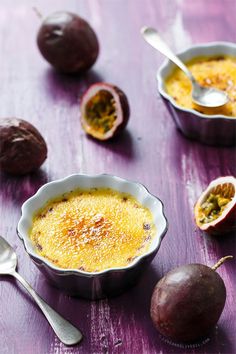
(218, 72)
(92, 230)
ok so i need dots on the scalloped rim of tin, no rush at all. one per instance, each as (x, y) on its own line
(27, 215)
(160, 76)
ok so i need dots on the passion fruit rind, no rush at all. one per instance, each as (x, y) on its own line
(68, 42)
(125, 109)
(22, 147)
(187, 302)
(104, 111)
(215, 210)
(225, 226)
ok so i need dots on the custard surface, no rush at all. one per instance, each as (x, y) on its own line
(92, 230)
(218, 72)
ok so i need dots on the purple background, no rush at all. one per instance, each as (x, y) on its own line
(151, 151)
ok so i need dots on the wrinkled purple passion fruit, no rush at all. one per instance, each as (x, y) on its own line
(22, 147)
(188, 301)
(68, 42)
(104, 111)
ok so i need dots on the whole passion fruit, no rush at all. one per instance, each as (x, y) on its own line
(215, 210)
(22, 147)
(104, 111)
(188, 301)
(68, 42)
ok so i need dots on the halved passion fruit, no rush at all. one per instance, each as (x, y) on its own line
(104, 111)
(215, 210)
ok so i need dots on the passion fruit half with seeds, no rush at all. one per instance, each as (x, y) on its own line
(215, 210)
(104, 111)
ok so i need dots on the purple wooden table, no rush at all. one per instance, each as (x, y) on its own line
(151, 151)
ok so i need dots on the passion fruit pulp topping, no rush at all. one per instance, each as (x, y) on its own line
(101, 112)
(215, 210)
(212, 208)
(104, 111)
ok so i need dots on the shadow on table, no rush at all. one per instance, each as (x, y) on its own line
(135, 304)
(226, 246)
(122, 145)
(220, 341)
(17, 189)
(136, 300)
(216, 342)
(69, 87)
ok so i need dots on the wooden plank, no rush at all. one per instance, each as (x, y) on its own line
(151, 151)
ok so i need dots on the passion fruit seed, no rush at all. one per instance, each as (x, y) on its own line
(101, 111)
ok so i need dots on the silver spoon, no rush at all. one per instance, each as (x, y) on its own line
(65, 331)
(203, 96)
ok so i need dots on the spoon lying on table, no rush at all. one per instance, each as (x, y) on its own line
(65, 331)
(203, 96)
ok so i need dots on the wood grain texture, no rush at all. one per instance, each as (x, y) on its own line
(151, 151)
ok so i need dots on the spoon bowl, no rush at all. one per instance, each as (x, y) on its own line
(8, 258)
(208, 97)
(203, 96)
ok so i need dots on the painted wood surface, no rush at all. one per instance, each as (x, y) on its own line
(151, 151)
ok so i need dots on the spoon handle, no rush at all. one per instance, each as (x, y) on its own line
(66, 332)
(153, 38)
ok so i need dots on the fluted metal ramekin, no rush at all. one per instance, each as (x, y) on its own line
(108, 282)
(218, 130)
